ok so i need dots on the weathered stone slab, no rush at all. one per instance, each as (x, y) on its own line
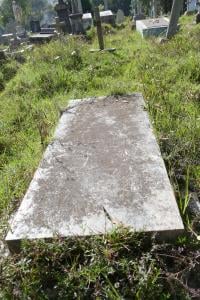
(152, 27)
(103, 168)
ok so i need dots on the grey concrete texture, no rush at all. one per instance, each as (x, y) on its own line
(152, 27)
(103, 169)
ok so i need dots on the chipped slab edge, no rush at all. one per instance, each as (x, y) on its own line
(14, 245)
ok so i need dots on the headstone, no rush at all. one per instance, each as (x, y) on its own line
(62, 10)
(20, 31)
(152, 27)
(120, 17)
(100, 171)
(17, 11)
(76, 23)
(87, 21)
(76, 19)
(107, 17)
(175, 14)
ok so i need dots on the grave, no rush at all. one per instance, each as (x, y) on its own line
(62, 10)
(76, 23)
(120, 18)
(152, 27)
(107, 17)
(87, 21)
(76, 18)
(102, 169)
(39, 38)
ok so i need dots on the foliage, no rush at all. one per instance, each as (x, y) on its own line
(119, 265)
(8, 69)
(28, 6)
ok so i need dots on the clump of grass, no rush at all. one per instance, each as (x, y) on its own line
(9, 69)
(119, 265)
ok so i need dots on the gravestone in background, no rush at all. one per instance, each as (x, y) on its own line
(120, 17)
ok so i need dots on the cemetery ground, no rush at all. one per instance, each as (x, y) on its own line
(122, 264)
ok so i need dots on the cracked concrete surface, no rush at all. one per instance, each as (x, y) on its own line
(104, 161)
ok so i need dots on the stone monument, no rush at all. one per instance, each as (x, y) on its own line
(17, 11)
(62, 10)
(120, 17)
(87, 21)
(76, 18)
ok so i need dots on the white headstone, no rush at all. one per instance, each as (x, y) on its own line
(120, 17)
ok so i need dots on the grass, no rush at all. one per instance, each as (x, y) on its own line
(120, 265)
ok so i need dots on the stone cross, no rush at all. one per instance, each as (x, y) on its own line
(175, 14)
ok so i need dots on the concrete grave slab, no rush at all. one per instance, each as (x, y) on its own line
(152, 27)
(104, 161)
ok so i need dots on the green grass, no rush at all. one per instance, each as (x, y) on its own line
(109, 267)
